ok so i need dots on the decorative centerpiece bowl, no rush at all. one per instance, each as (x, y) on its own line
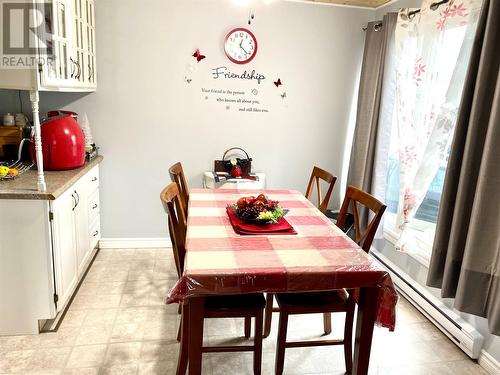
(9, 171)
(260, 210)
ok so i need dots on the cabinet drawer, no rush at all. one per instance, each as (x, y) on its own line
(93, 205)
(93, 179)
(95, 233)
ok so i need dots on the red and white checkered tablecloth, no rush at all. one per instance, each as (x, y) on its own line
(320, 257)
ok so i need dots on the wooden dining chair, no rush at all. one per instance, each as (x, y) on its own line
(177, 175)
(177, 226)
(355, 197)
(330, 301)
(317, 175)
(177, 223)
(245, 306)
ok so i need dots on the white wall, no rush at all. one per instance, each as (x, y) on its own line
(145, 117)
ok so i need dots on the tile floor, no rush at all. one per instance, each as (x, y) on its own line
(118, 324)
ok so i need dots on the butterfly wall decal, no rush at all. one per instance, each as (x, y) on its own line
(198, 55)
(251, 16)
(283, 96)
(278, 83)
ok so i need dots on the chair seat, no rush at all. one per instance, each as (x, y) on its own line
(240, 301)
(316, 299)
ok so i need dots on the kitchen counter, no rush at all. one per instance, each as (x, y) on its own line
(25, 186)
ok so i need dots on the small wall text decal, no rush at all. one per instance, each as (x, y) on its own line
(242, 100)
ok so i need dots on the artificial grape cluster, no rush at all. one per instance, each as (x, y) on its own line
(251, 208)
(271, 205)
(248, 213)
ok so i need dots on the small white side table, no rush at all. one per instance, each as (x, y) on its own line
(234, 183)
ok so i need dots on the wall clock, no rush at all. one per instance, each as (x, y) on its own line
(240, 45)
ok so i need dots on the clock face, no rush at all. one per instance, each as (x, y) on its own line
(240, 46)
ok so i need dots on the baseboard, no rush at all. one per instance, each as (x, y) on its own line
(488, 363)
(134, 243)
(460, 332)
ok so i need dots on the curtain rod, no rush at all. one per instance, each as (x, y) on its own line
(376, 27)
(433, 6)
(411, 14)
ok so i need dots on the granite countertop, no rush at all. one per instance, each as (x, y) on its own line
(25, 186)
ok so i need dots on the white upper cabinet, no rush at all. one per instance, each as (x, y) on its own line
(68, 29)
(83, 53)
(74, 44)
(57, 71)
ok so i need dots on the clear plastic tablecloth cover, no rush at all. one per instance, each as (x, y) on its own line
(320, 257)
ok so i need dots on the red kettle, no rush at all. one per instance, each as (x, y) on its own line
(63, 142)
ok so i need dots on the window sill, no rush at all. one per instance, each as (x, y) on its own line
(419, 249)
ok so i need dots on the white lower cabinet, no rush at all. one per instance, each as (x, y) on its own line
(45, 249)
(64, 242)
(74, 234)
(82, 225)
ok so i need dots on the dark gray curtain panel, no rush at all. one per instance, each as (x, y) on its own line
(465, 261)
(362, 162)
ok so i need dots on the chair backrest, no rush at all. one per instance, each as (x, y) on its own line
(177, 175)
(177, 225)
(353, 197)
(317, 175)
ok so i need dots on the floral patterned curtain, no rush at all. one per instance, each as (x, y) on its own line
(432, 50)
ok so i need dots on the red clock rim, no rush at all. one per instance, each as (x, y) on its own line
(254, 51)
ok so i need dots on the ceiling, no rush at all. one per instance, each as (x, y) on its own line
(363, 3)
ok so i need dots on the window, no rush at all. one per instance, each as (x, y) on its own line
(423, 226)
(430, 70)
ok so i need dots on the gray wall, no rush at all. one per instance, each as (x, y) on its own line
(145, 117)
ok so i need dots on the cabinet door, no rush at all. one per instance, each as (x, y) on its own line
(57, 72)
(64, 246)
(90, 63)
(83, 52)
(81, 225)
(84, 43)
(78, 43)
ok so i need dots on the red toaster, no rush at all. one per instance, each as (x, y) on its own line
(63, 142)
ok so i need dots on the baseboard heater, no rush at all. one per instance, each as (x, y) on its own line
(464, 335)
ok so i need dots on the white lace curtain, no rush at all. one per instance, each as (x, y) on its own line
(431, 57)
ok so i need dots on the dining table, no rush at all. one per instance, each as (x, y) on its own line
(319, 257)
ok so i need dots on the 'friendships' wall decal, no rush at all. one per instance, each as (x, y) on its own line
(223, 72)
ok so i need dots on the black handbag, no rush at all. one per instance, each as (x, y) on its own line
(226, 166)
